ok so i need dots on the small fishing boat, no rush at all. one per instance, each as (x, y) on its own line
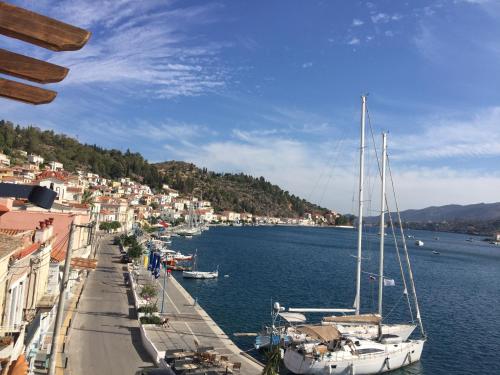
(435, 252)
(419, 243)
(195, 274)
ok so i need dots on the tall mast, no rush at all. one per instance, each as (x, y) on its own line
(382, 224)
(357, 302)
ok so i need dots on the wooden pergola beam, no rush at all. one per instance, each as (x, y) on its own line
(25, 93)
(25, 67)
(43, 31)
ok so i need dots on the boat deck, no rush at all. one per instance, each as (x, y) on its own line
(189, 327)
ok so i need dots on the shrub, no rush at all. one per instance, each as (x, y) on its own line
(151, 320)
(148, 309)
(148, 291)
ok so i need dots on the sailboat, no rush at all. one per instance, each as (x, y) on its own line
(331, 349)
(195, 274)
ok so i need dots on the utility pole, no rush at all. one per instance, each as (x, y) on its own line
(164, 290)
(60, 306)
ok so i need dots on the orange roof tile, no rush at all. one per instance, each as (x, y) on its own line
(28, 250)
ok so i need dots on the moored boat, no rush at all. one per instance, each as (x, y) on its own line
(340, 346)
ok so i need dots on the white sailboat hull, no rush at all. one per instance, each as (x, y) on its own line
(200, 275)
(387, 357)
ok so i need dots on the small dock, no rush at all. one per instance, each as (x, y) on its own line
(189, 327)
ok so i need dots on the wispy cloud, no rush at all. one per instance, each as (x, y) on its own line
(353, 41)
(141, 47)
(357, 22)
(385, 18)
(308, 64)
(445, 138)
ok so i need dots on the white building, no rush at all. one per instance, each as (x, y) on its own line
(56, 166)
(4, 160)
(35, 159)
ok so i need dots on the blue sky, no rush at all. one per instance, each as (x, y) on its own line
(272, 88)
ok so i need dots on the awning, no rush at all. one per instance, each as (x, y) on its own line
(360, 319)
(323, 333)
(293, 317)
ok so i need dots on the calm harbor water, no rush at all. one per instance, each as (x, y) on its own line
(458, 290)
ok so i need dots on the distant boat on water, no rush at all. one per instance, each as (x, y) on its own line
(419, 243)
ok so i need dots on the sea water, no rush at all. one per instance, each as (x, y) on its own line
(458, 289)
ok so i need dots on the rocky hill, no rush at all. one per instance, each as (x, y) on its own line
(235, 192)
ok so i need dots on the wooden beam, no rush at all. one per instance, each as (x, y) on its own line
(25, 93)
(43, 31)
(25, 67)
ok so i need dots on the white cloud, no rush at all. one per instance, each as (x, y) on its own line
(325, 172)
(307, 65)
(353, 41)
(447, 138)
(385, 18)
(140, 47)
(357, 22)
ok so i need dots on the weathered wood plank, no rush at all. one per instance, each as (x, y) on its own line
(43, 31)
(25, 93)
(29, 68)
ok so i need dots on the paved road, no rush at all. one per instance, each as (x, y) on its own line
(105, 337)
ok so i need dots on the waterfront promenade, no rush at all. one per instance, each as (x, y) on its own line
(104, 336)
(190, 326)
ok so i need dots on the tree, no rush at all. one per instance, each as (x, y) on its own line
(115, 225)
(135, 251)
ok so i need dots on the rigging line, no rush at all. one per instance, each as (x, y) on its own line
(393, 308)
(341, 142)
(323, 172)
(410, 273)
(390, 218)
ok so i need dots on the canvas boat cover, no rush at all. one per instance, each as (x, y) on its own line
(293, 317)
(323, 333)
(360, 319)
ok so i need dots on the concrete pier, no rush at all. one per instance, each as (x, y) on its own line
(189, 325)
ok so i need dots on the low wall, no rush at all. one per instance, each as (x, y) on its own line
(156, 354)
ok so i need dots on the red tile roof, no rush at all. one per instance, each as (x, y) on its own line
(28, 250)
(51, 174)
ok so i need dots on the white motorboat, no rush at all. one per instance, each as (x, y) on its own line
(419, 243)
(335, 347)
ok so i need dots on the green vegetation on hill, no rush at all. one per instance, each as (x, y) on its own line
(74, 155)
(235, 192)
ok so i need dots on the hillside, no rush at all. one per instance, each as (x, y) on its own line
(454, 212)
(235, 192)
(479, 218)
